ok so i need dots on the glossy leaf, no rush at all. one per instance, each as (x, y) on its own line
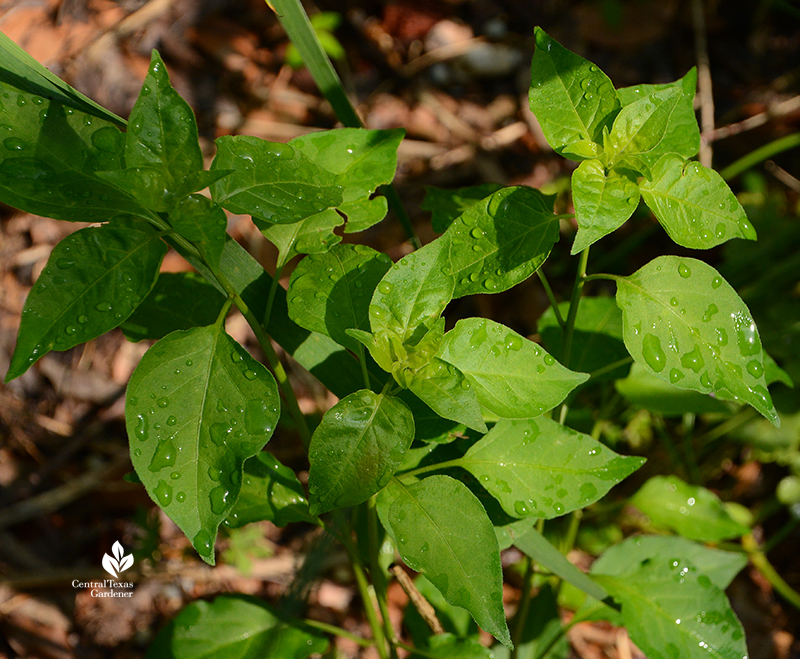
(500, 240)
(363, 213)
(330, 292)
(162, 131)
(693, 204)
(446, 206)
(671, 610)
(93, 280)
(640, 126)
(511, 376)
(719, 566)
(203, 223)
(312, 235)
(537, 467)
(596, 340)
(685, 324)
(603, 202)
(234, 626)
(682, 135)
(356, 449)
(271, 181)
(59, 181)
(197, 406)
(693, 511)
(269, 492)
(442, 531)
(572, 98)
(179, 300)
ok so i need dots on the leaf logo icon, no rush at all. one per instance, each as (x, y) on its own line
(117, 563)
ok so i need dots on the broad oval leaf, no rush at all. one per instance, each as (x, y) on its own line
(672, 610)
(640, 126)
(162, 130)
(446, 206)
(177, 301)
(693, 511)
(271, 181)
(511, 376)
(684, 323)
(93, 281)
(694, 204)
(356, 449)
(500, 240)
(330, 293)
(312, 235)
(234, 626)
(603, 202)
(443, 532)
(197, 406)
(571, 97)
(537, 467)
(270, 491)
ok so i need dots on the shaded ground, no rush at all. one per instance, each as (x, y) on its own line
(454, 74)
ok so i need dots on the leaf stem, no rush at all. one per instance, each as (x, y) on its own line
(577, 289)
(524, 607)
(273, 288)
(362, 359)
(759, 559)
(424, 470)
(338, 631)
(550, 296)
(610, 367)
(378, 577)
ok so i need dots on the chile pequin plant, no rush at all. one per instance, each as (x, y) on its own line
(447, 446)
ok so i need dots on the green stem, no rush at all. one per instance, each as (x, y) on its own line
(688, 449)
(362, 359)
(524, 607)
(762, 564)
(550, 296)
(273, 288)
(610, 367)
(577, 289)
(378, 577)
(424, 470)
(338, 631)
(601, 275)
(759, 155)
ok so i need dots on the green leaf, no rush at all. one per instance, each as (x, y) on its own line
(234, 626)
(448, 205)
(49, 158)
(693, 511)
(443, 532)
(596, 340)
(162, 131)
(656, 395)
(542, 633)
(179, 300)
(511, 376)
(330, 293)
(672, 610)
(719, 566)
(93, 281)
(682, 135)
(693, 204)
(271, 181)
(507, 534)
(582, 150)
(572, 98)
(203, 223)
(198, 405)
(356, 449)
(269, 492)
(447, 392)
(447, 646)
(363, 213)
(640, 127)
(603, 202)
(685, 324)
(500, 240)
(312, 235)
(149, 185)
(537, 467)
(455, 620)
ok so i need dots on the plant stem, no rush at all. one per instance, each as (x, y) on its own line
(338, 631)
(688, 449)
(759, 559)
(424, 470)
(610, 367)
(524, 607)
(378, 577)
(273, 288)
(550, 296)
(762, 153)
(362, 359)
(577, 289)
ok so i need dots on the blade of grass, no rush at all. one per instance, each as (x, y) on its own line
(759, 155)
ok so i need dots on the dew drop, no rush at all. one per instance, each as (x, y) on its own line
(675, 375)
(237, 357)
(64, 264)
(180, 497)
(684, 271)
(219, 433)
(693, 360)
(385, 287)
(103, 306)
(175, 475)
(653, 354)
(258, 417)
(521, 508)
(162, 402)
(202, 543)
(755, 368)
(163, 492)
(219, 499)
(250, 375)
(171, 421)
(164, 456)
(712, 309)
(141, 427)
(549, 360)
(82, 319)
(14, 144)
(716, 282)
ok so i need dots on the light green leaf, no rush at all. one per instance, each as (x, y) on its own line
(583, 150)
(363, 213)
(149, 185)
(162, 131)
(197, 406)
(672, 610)
(448, 205)
(178, 301)
(685, 324)
(271, 181)
(693, 204)
(640, 127)
(356, 449)
(269, 492)
(312, 235)
(511, 376)
(719, 566)
(603, 203)
(537, 467)
(93, 281)
(443, 532)
(500, 240)
(693, 511)
(234, 626)
(330, 293)
(203, 223)
(572, 98)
